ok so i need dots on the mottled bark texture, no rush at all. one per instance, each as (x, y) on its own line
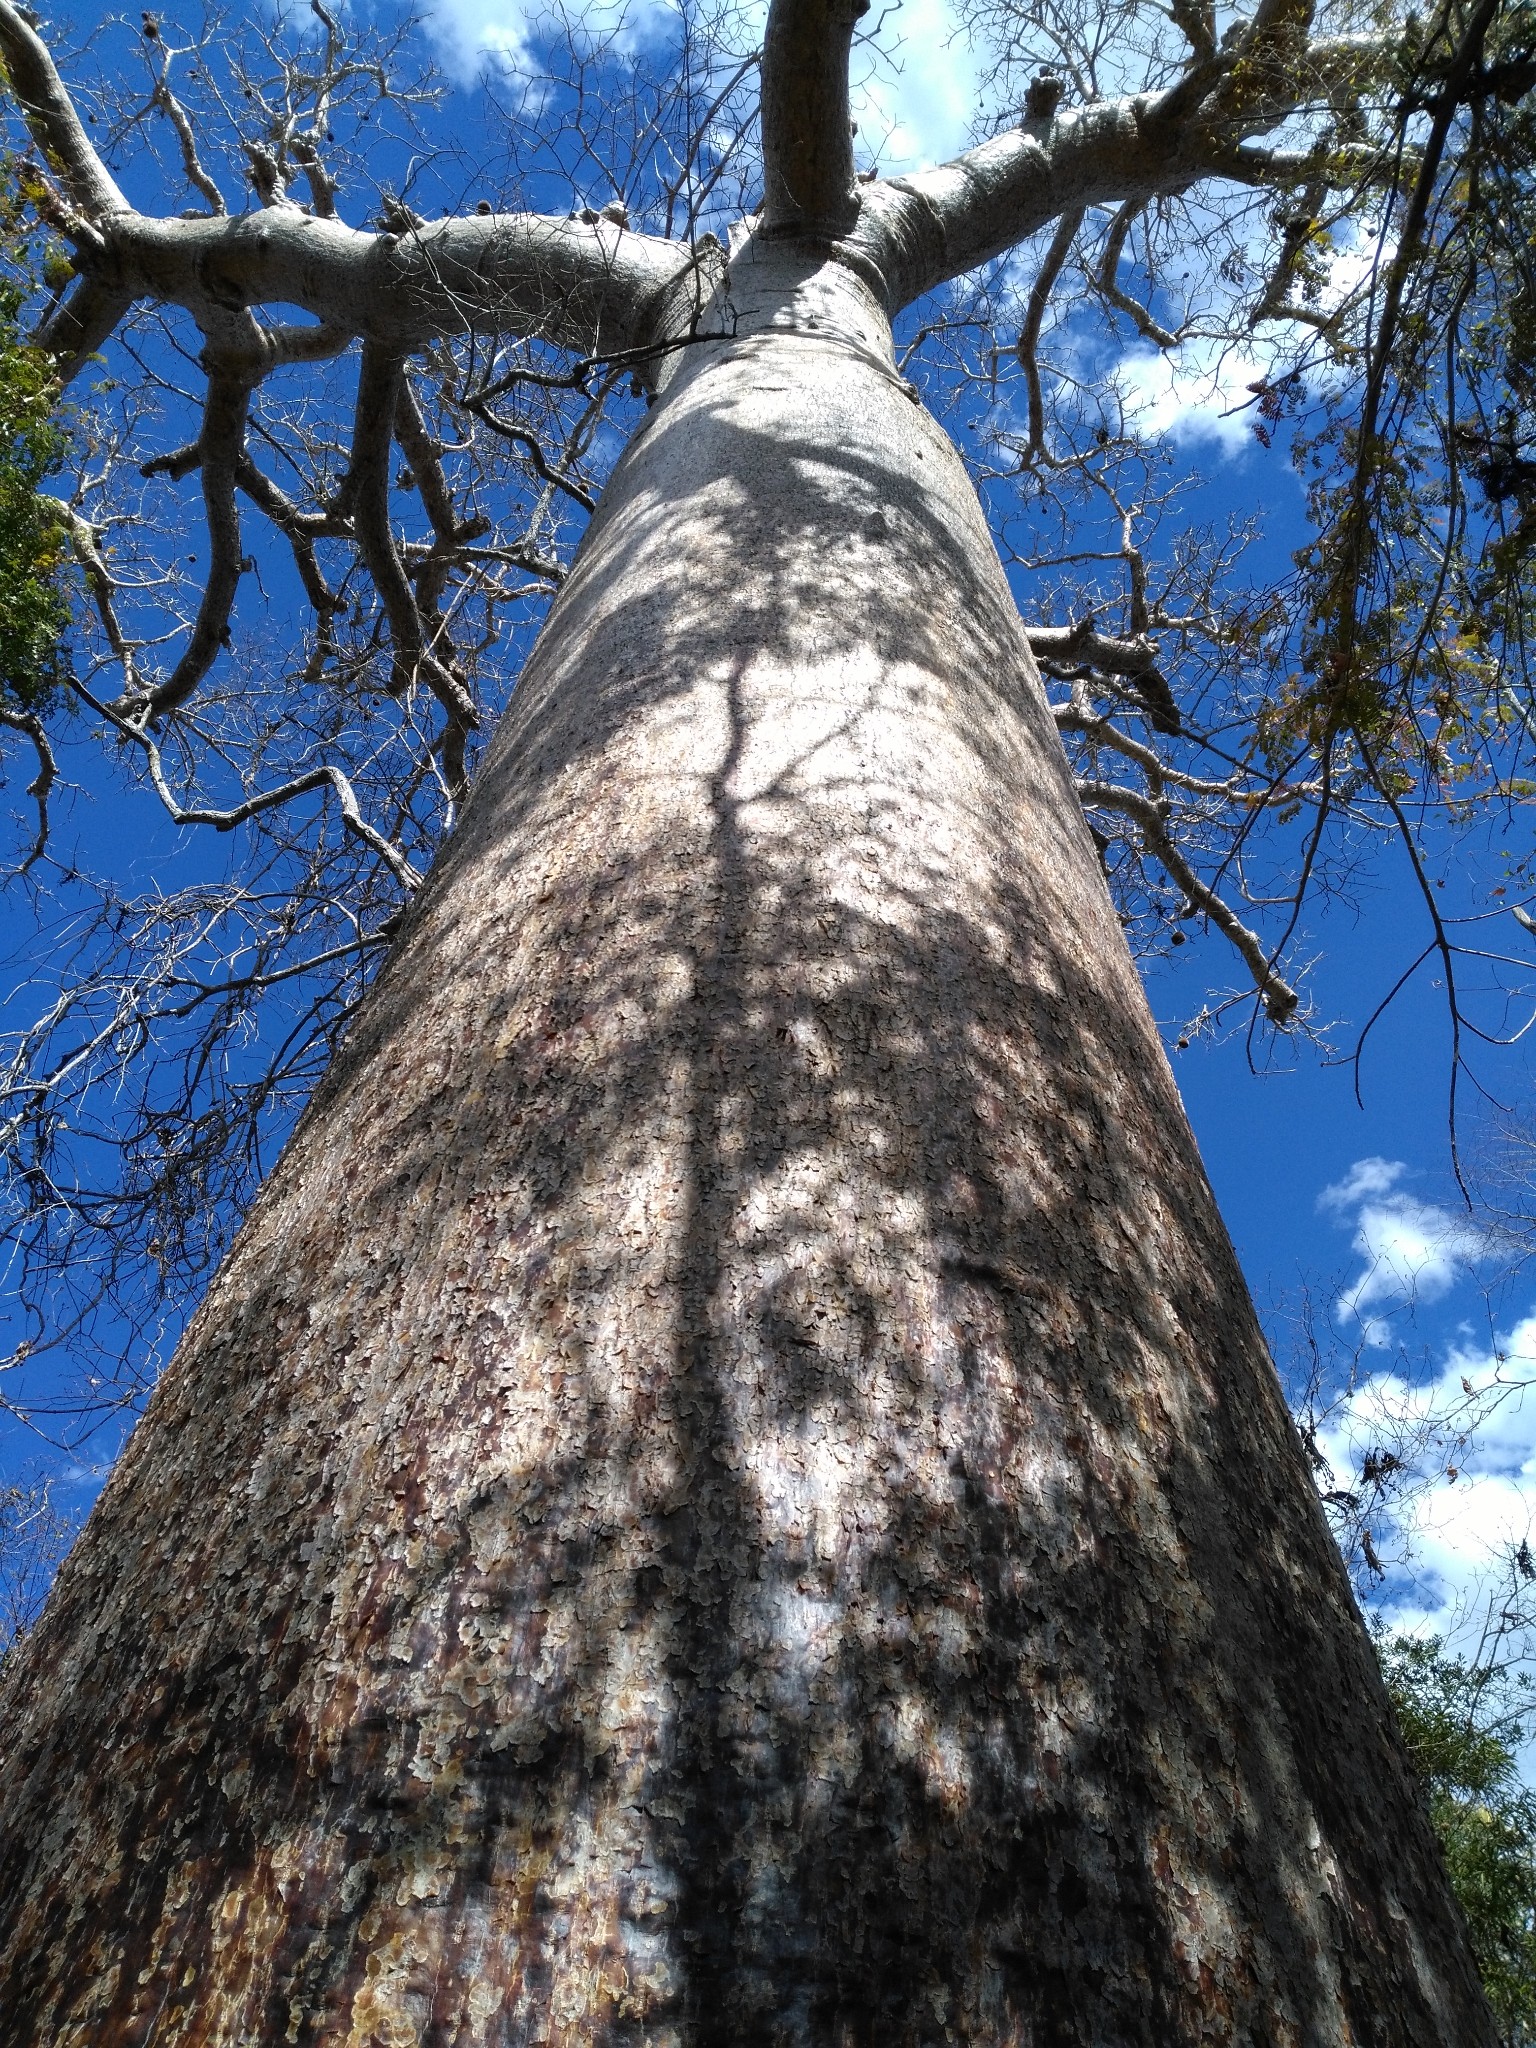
(730, 1491)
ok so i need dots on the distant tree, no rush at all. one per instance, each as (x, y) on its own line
(1466, 1714)
(1464, 1724)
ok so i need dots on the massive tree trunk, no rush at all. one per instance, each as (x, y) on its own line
(730, 1489)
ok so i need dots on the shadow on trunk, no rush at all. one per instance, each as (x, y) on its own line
(731, 1491)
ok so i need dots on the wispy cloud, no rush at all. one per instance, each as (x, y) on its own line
(916, 101)
(914, 96)
(1365, 1178)
(1206, 390)
(470, 32)
(1196, 393)
(505, 33)
(1412, 1252)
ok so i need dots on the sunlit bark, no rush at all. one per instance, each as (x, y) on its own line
(730, 1490)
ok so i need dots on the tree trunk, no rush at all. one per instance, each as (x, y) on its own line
(730, 1490)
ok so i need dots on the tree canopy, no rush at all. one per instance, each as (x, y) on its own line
(34, 598)
(396, 356)
(1463, 1722)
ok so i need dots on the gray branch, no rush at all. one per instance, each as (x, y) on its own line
(38, 788)
(50, 114)
(226, 820)
(807, 143)
(1280, 999)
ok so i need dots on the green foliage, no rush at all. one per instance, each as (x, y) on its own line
(1462, 1724)
(34, 601)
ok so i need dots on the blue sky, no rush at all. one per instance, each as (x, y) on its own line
(1350, 1201)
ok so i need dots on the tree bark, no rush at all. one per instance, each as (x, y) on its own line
(807, 136)
(730, 1489)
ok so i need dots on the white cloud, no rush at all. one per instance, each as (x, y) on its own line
(1468, 1441)
(915, 97)
(1204, 390)
(1361, 251)
(468, 33)
(1365, 1177)
(1197, 392)
(1412, 1251)
(918, 100)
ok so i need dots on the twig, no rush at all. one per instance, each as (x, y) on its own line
(38, 788)
(324, 776)
(1280, 999)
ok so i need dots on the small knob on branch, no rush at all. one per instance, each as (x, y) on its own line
(1044, 95)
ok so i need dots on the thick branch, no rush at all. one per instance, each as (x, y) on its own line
(422, 454)
(1081, 648)
(56, 127)
(220, 449)
(379, 385)
(82, 324)
(591, 286)
(430, 571)
(807, 142)
(923, 230)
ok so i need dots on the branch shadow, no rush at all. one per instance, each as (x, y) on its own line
(731, 1490)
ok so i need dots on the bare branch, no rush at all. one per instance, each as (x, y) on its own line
(168, 104)
(422, 454)
(326, 776)
(380, 382)
(84, 542)
(300, 530)
(521, 437)
(220, 451)
(1280, 999)
(38, 788)
(50, 114)
(1237, 789)
(1029, 336)
(1297, 231)
(1109, 282)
